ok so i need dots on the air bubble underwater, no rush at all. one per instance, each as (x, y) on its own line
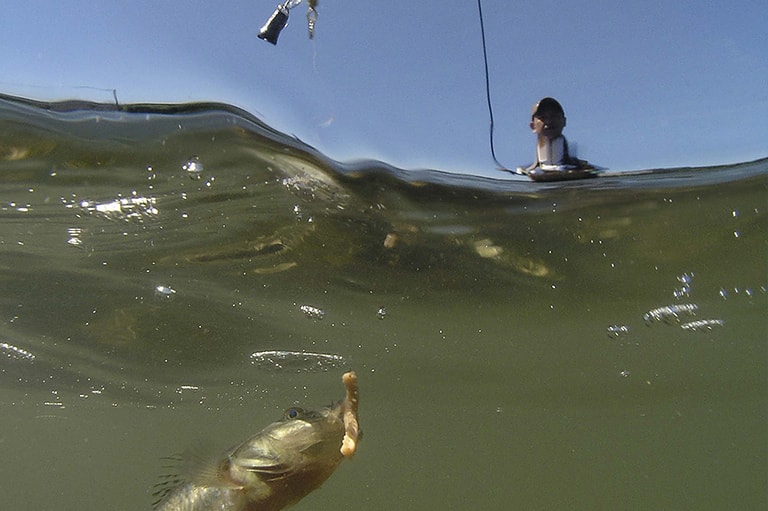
(165, 293)
(312, 312)
(671, 313)
(616, 331)
(14, 352)
(702, 325)
(684, 290)
(193, 168)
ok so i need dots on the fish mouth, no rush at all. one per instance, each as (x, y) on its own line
(343, 415)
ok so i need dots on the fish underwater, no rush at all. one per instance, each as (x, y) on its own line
(273, 469)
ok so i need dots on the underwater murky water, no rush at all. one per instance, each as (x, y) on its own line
(184, 274)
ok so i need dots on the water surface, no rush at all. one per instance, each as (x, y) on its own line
(172, 274)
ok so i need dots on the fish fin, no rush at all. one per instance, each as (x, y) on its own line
(267, 465)
(266, 461)
(203, 465)
(167, 481)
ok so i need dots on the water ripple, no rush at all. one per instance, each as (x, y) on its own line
(296, 361)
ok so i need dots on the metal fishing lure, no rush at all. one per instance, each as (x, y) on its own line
(279, 20)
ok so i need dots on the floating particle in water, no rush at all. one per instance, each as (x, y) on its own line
(193, 167)
(381, 313)
(670, 313)
(624, 373)
(391, 240)
(702, 325)
(16, 353)
(165, 293)
(616, 331)
(296, 361)
(312, 312)
(487, 249)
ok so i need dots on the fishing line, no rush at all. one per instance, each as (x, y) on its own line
(488, 85)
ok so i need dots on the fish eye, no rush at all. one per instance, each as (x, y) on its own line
(293, 413)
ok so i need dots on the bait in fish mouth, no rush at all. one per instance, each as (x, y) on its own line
(273, 469)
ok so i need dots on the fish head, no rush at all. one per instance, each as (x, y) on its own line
(303, 439)
(290, 458)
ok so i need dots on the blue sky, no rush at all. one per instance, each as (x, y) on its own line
(644, 84)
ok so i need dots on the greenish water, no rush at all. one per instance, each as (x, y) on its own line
(151, 300)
